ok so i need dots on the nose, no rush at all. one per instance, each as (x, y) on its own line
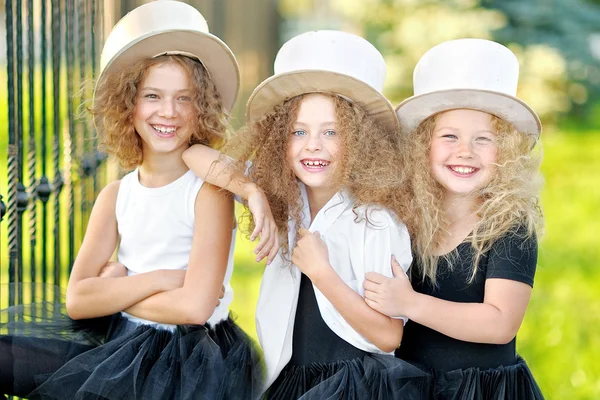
(464, 149)
(313, 143)
(167, 108)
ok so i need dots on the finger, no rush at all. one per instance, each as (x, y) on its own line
(273, 251)
(375, 277)
(264, 239)
(317, 234)
(371, 295)
(396, 268)
(373, 304)
(265, 250)
(371, 286)
(303, 232)
(269, 248)
(258, 225)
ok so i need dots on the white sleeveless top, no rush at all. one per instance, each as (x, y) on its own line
(156, 226)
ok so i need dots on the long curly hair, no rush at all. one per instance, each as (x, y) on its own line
(509, 201)
(368, 164)
(115, 99)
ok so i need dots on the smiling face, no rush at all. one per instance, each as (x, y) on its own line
(314, 144)
(463, 151)
(164, 109)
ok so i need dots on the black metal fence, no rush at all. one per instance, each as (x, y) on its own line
(53, 170)
(50, 168)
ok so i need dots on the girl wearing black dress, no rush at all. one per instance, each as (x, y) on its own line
(474, 177)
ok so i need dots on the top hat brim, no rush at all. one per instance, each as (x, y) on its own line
(279, 88)
(414, 110)
(214, 54)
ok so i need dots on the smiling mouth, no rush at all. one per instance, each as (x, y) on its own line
(165, 131)
(315, 164)
(462, 170)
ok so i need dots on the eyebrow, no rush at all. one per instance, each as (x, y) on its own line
(161, 90)
(446, 127)
(327, 123)
(458, 130)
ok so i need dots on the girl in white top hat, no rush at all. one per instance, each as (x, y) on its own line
(166, 83)
(474, 178)
(321, 141)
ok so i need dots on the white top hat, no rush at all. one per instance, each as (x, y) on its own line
(475, 74)
(333, 62)
(171, 27)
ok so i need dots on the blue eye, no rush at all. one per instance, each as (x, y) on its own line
(151, 96)
(329, 132)
(185, 98)
(299, 132)
(449, 136)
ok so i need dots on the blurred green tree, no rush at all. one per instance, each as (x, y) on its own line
(553, 39)
(570, 26)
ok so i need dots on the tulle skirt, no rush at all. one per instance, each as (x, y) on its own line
(51, 356)
(502, 383)
(370, 377)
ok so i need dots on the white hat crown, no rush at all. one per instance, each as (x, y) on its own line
(171, 27)
(474, 74)
(333, 62)
(150, 19)
(467, 64)
(333, 51)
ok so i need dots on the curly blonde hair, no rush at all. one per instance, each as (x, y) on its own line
(508, 202)
(115, 99)
(368, 162)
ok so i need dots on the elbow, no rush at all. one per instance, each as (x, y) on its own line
(388, 346)
(187, 155)
(74, 310)
(504, 335)
(191, 153)
(390, 342)
(196, 315)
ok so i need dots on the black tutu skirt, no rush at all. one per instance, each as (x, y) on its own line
(502, 383)
(54, 357)
(370, 377)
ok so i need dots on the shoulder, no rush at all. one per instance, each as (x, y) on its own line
(514, 256)
(517, 241)
(106, 202)
(213, 196)
(109, 192)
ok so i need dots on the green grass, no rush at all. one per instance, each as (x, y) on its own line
(559, 337)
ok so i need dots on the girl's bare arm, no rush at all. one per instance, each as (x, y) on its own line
(89, 295)
(195, 301)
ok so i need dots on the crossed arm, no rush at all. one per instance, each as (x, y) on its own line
(164, 296)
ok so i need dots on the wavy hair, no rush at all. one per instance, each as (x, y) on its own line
(115, 99)
(509, 201)
(368, 164)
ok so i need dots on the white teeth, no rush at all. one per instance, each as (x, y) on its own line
(463, 170)
(316, 163)
(163, 129)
